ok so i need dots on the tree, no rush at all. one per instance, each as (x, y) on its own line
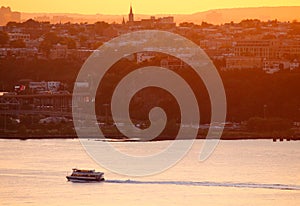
(30, 23)
(69, 42)
(46, 46)
(250, 23)
(281, 66)
(22, 130)
(18, 44)
(205, 24)
(97, 44)
(187, 24)
(3, 38)
(12, 24)
(52, 38)
(49, 39)
(269, 36)
(273, 124)
(100, 27)
(295, 28)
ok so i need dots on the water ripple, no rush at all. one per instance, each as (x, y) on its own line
(210, 184)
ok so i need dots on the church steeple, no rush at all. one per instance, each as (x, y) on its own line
(123, 22)
(131, 15)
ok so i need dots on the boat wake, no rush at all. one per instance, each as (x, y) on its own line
(210, 184)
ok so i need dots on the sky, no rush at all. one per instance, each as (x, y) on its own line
(140, 6)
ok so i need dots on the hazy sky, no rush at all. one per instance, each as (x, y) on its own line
(140, 6)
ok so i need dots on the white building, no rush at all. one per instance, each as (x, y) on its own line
(294, 64)
(38, 86)
(272, 66)
(242, 62)
(59, 52)
(19, 36)
(144, 56)
(53, 86)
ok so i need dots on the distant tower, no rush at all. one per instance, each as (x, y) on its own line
(131, 16)
(123, 22)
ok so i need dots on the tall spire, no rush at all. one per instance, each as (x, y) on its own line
(131, 15)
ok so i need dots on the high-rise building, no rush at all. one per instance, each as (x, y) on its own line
(6, 15)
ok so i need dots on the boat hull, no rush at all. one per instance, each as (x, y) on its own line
(84, 179)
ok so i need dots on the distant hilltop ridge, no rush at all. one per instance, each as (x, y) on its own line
(215, 16)
(221, 16)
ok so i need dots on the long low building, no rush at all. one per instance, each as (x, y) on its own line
(242, 62)
(34, 102)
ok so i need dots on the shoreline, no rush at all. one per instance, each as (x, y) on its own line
(163, 138)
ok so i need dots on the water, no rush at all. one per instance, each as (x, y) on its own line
(256, 172)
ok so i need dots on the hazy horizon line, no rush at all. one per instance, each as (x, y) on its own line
(144, 14)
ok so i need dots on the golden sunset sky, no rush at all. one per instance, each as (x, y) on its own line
(140, 6)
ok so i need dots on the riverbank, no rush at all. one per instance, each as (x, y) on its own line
(227, 135)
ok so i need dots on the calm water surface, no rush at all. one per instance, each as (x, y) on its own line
(238, 173)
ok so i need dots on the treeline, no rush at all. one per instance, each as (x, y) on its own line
(259, 124)
(253, 93)
(12, 70)
(250, 93)
(29, 125)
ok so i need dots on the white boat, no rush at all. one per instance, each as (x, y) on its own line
(82, 175)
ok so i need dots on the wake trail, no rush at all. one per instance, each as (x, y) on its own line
(209, 184)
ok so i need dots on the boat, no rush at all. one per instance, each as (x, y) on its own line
(82, 175)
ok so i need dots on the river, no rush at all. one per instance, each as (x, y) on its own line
(249, 172)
